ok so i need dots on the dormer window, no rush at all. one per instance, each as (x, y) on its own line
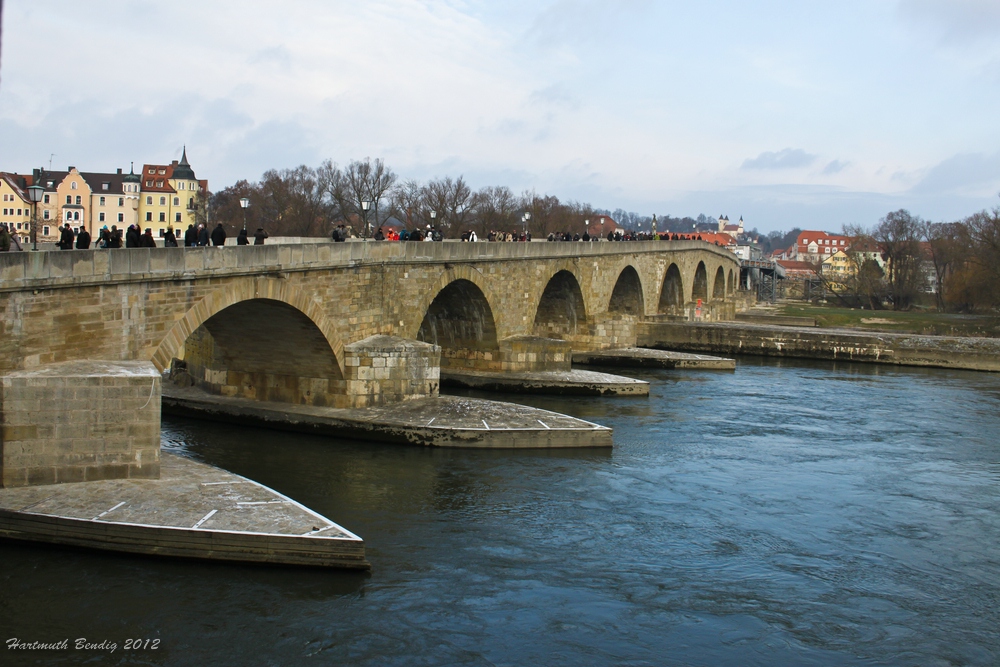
(105, 186)
(151, 171)
(72, 186)
(161, 171)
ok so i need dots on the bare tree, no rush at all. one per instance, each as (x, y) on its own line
(495, 208)
(948, 246)
(898, 236)
(453, 202)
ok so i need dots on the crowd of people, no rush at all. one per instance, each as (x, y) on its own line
(134, 237)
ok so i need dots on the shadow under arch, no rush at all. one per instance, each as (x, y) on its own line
(672, 291)
(253, 290)
(730, 288)
(699, 286)
(719, 284)
(461, 321)
(265, 350)
(626, 297)
(561, 310)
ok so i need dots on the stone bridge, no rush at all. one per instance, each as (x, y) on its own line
(348, 324)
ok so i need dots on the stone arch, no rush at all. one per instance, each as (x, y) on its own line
(672, 291)
(719, 285)
(461, 321)
(561, 310)
(626, 297)
(699, 286)
(453, 273)
(267, 289)
(730, 288)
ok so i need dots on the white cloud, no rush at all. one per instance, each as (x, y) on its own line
(788, 158)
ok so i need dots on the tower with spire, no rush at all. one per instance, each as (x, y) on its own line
(170, 195)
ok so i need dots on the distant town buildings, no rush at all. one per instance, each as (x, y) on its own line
(161, 197)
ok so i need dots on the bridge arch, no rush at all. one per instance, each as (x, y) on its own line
(461, 321)
(268, 293)
(672, 291)
(719, 285)
(699, 285)
(730, 288)
(626, 297)
(561, 310)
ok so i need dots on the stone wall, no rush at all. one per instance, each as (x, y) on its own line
(520, 354)
(385, 369)
(80, 421)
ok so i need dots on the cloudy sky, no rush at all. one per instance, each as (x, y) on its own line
(788, 112)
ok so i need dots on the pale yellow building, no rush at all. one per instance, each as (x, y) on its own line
(169, 196)
(15, 211)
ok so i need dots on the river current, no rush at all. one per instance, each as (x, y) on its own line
(787, 513)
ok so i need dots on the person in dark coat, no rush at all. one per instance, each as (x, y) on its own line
(147, 240)
(219, 235)
(241, 238)
(132, 237)
(116, 237)
(190, 237)
(66, 237)
(258, 238)
(202, 234)
(169, 239)
(83, 239)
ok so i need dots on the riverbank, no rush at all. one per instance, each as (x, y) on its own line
(730, 338)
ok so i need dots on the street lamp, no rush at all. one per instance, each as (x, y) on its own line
(586, 228)
(35, 193)
(602, 228)
(364, 208)
(244, 202)
(524, 220)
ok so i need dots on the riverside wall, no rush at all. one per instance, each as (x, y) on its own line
(979, 354)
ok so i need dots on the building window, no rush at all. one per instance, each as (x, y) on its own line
(45, 230)
(69, 215)
(45, 215)
(178, 218)
(121, 201)
(151, 170)
(121, 217)
(177, 201)
(149, 201)
(161, 231)
(72, 186)
(105, 186)
(46, 199)
(19, 225)
(101, 216)
(76, 215)
(78, 200)
(25, 212)
(69, 199)
(163, 201)
(149, 184)
(190, 202)
(149, 216)
(163, 216)
(162, 171)
(102, 201)
(159, 184)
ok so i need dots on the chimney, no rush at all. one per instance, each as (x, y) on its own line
(119, 170)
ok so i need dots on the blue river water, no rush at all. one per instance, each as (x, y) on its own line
(787, 513)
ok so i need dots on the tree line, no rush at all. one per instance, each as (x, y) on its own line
(366, 194)
(903, 257)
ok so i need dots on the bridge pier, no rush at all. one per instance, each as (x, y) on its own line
(80, 421)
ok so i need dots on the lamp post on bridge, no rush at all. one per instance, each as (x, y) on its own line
(524, 224)
(244, 202)
(35, 193)
(365, 205)
(602, 227)
(586, 228)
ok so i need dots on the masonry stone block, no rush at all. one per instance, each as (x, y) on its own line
(414, 371)
(75, 434)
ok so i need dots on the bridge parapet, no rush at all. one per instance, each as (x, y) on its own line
(55, 269)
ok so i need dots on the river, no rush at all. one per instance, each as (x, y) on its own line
(787, 513)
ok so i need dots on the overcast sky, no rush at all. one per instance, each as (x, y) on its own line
(790, 113)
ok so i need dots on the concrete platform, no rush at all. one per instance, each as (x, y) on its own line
(444, 421)
(574, 382)
(193, 511)
(640, 357)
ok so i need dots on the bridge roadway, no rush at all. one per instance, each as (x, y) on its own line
(287, 322)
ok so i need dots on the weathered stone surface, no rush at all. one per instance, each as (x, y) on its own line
(193, 510)
(639, 357)
(80, 420)
(443, 421)
(385, 369)
(884, 348)
(567, 383)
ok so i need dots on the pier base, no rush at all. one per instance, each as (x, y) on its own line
(80, 421)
